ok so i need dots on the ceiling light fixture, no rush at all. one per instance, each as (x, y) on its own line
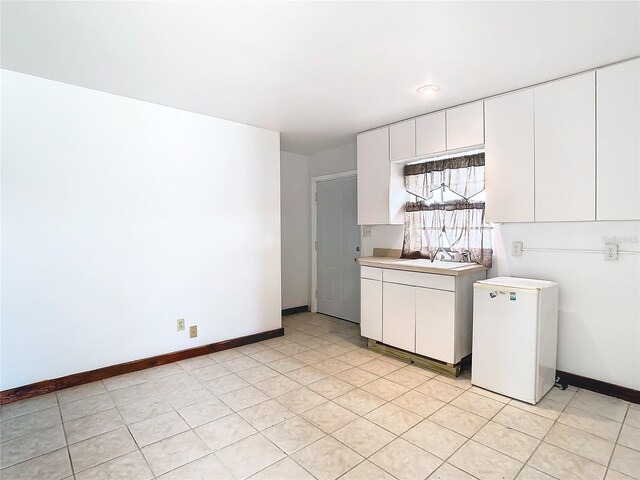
(428, 90)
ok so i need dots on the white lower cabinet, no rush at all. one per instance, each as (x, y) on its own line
(435, 333)
(399, 316)
(371, 308)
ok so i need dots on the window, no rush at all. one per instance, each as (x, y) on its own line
(448, 212)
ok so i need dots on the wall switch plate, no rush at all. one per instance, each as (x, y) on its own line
(611, 251)
(366, 231)
(193, 331)
(516, 249)
(180, 324)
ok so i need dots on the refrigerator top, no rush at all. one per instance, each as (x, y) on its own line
(515, 282)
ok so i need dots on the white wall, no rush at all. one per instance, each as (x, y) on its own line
(295, 205)
(119, 217)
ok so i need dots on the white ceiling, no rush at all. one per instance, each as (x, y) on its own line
(318, 72)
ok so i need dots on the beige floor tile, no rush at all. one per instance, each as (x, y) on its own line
(266, 414)
(133, 393)
(310, 357)
(143, 409)
(157, 428)
(590, 423)
(204, 411)
(51, 466)
(173, 452)
(378, 367)
(460, 421)
(525, 422)
(633, 416)
(105, 447)
(306, 375)
(226, 355)
(418, 403)
(31, 445)
(327, 458)
(393, 361)
(330, 387)
(161, 371)
(331, 366)
(335, 349)
(285, 469)
(566, 465)
(205, 468)
(613, 475)
(366, 471)
(81, 391)
(179, 381)
(530, 473)
(209, 372)
(252, 348)
(626, 460)
(189, 396)
(92, 425)
(421, 371)
(291, 349)
(276, 386)
(30, 405)
(545, 408)
(405, 461)
(275, 342)
(507, 440)
(478, 404)
(447, 471)
(86, 406)
(561, 396)
(29, 423)
(355, 357)
(285, 365)
(356, 376)
(125, 380)
(363, 436)
(257, 374)
(407, 377)
(440, 390)
(243, 398)
(485, 463)
(329, 417)
(630, 437)
(249, 455)
(293, 434)
(224, 431)
(608, 407)
(395, 419)
(226, 384)
(301, 400)
(268, 355)
(359, 401)
(385, 389)
(489, 394)
(129, 466)
(581, 443)
(435, 439)
(195, 362)
(238, 364)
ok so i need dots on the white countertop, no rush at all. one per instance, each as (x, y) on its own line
(422, 265)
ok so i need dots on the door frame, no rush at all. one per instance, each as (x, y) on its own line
(314, 229)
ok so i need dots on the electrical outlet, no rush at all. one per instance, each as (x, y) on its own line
(516, 249)
(366, 231)
(181, 324)
(611, 251)
(193, 331)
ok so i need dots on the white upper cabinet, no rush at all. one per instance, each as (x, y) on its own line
(465, 126)
(373, 177)
(565, 165)
(402, 140)
(431, 133)
(509, 157)
(619, 142)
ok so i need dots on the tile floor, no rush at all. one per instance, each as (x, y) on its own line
(313, 404)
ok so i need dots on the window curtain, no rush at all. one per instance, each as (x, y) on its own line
(459, 224)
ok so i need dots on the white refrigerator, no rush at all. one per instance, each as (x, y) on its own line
(515, 336)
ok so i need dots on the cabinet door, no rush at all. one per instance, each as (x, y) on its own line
(373, 177)
(435, 320)
(430, 134)
(618, 190)
(509, 157)
(465, 126)
(399, 313)
(371, 309)
(402, 140)
(565, 164)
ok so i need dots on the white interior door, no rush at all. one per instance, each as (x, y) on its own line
(338, 244)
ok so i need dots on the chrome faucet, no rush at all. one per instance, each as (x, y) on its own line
(444, 250)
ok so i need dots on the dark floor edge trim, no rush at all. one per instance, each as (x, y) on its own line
(623, 393)
(292, 310)
(47, 386)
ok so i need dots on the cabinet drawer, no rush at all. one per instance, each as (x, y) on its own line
(371, 273)
(427, 280)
